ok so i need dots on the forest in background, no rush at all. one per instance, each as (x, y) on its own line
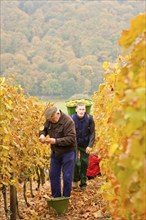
(57, 48)
(119, 114)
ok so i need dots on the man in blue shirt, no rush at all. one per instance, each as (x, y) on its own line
(85, 133)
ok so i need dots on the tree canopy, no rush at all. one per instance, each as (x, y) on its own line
(57, 48)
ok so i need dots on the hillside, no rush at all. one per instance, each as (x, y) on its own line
(56, 48)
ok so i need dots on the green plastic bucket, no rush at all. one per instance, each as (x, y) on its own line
(71, 110)
(59, 204)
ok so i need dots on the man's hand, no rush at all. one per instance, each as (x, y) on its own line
(88, 150)
(79, 155)
(42, 138)
(51, 140)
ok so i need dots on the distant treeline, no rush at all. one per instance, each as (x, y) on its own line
(56, 48)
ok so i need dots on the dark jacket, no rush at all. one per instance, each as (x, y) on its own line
(63, 131)
(85, 130)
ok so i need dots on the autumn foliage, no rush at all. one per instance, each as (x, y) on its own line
(21, 154)
(119, 112)
(20, 121)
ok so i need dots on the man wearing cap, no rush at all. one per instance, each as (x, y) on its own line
(62, 139)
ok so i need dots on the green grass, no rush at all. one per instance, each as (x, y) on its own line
(60, 103)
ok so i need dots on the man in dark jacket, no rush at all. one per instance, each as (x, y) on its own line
(85, 131)
(62, 138)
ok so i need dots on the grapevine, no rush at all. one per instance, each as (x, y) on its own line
(20, 153)
(119, 112)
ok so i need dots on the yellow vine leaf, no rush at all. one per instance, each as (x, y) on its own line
(113, 148)
(105, 65)
(136, 28)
